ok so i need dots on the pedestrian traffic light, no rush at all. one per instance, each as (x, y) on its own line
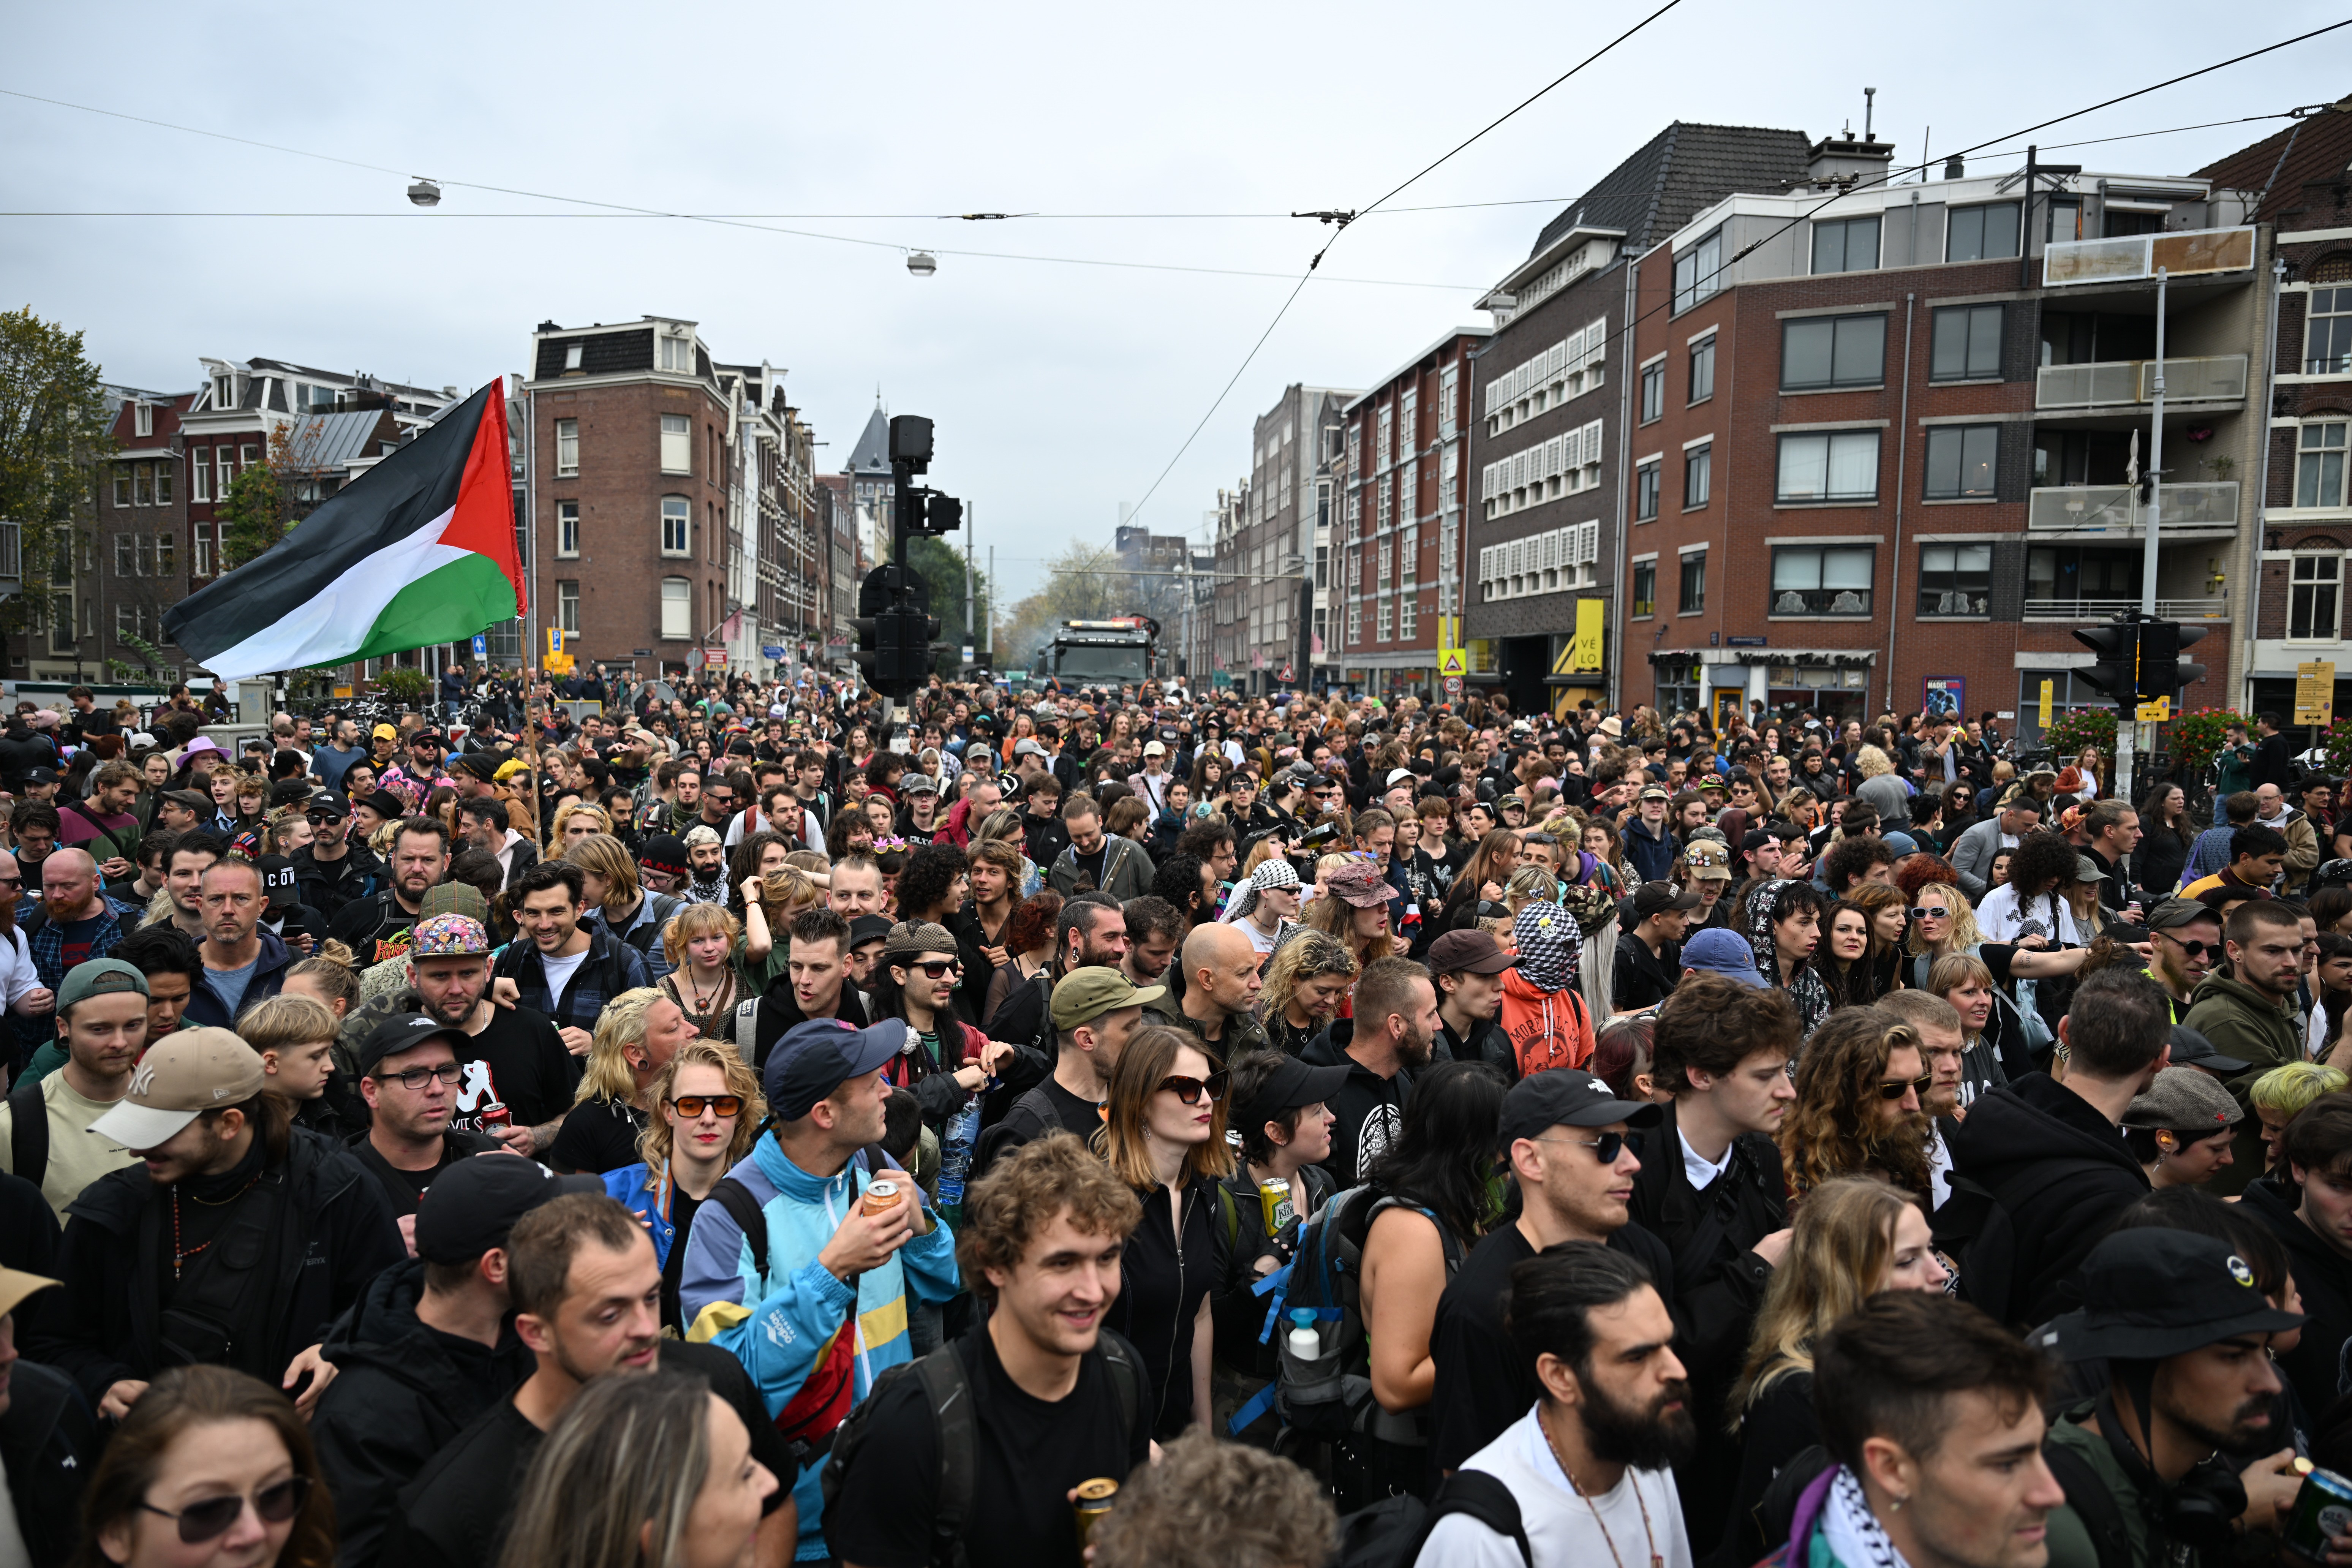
(2162, 673)
(877, 649)
(2117, 673)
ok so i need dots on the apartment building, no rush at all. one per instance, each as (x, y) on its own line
(2303, 505)
(1550, 403)
(1885, 435)
(1275, 590)
(1399, 558)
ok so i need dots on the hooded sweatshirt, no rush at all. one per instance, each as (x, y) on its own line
(787, 1326)
(402, 1391)
(1543, 1016)
(1804, 987)
(2063, 1171)
(2323, 1277)
(1370, 1109)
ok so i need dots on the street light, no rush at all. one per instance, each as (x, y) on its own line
(424, 193)
(921, 263)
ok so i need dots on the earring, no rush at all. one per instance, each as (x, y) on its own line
(1897, 1507)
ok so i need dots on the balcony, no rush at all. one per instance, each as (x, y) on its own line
(2136, 258)
(2108, 609)
(2110, 508)
(2108, 384)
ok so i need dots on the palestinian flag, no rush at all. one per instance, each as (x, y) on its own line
(419, 549)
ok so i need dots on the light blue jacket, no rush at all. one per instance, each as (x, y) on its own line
(781, 1325)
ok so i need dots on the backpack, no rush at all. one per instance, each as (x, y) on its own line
(947, 1392)
(1391, 1533)
(28, 1131)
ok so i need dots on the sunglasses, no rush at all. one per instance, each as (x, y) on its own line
(1930, 913)
(202, 1521)
(937, 968)
(694, 1105)
(1190, 1089)
(1605, 1148)
(1891, 1088)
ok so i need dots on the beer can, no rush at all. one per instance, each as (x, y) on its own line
(1276, 1196)
(879, 1196)
(2323, 1510)
(495, 1114)
(1095, 1498)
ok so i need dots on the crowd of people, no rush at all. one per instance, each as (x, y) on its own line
(746, 1124)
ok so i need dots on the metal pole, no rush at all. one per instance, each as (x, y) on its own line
(2155, 463)
(968, 639)
(992, 606)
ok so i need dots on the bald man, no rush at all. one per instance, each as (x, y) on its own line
(1220, 986)
(84, 924)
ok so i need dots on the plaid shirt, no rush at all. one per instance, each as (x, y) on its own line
(610, 968)
(47, 940)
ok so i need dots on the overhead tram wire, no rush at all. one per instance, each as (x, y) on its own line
(1340, 226)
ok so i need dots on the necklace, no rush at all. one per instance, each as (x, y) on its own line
(1650, 1535)
(180, 1255)
(702, 999)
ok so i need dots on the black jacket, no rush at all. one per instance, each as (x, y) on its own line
(49, 1442)
(1370, 1108)
(1719, 1285)
(1641, 976)
(2324, 1275)
(404, 1390)
(2061, 1171)
(338, 1234)
(328, 884)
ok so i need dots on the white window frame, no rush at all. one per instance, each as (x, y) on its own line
(567, 605)
(567, 448)
(142, 419)
(567, 528)
(2321, 459)
(676, 536)
(122, 484)
(676, 609)
(200, 471)
(163, 474)
(677, 444)
(2310, 576)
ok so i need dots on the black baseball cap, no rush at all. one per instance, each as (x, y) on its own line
(1568, 1097)
(1654, 898)
(2149, 1294)
(868, 928)
(817, 1056)
(1290, 1086)
(473, 1205)
(278, 881)
(2191, 1049)
(402, 1032)
(328, 804)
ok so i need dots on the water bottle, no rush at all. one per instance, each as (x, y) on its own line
(1305, 1342)
(962, 1132)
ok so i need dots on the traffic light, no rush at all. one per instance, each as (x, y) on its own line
(2162, 673)
(2117, 673)
(877, 649)
(941, 513)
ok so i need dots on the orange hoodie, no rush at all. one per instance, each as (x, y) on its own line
(1546, 1029)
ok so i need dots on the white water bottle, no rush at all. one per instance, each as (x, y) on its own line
(1305, 1342)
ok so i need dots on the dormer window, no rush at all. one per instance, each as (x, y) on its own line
(571, 356)
(677, 355)
(142, 419)
(224, 392)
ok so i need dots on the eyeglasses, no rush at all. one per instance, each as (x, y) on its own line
(1190, 1089)
(693, 1105)
(1893, 1089)
(201, 1521)
(937, 968)
(2192, 948)
(414, 1078)
(1929, 913)
(1605, 1148)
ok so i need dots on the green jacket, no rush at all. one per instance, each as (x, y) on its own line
(1243, 1033)
(2242, 1022)
(2069, 1540)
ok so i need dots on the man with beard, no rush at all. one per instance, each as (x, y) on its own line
(2053, 1153)
(1388, 1041)
(1943, 1042)
(2186, 1336)
(332, 870)
(511, 1057)
(706, 864)
(1612, 1417)
(377, 928)
(2187, 938)
(1091, 930)
(816, 985)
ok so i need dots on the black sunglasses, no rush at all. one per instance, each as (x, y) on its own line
(1891, 1088)
(694, 1105)
(1605, 1148)
(937, 968)
(1189, 1089)
(201, 1521)
(2193, 948)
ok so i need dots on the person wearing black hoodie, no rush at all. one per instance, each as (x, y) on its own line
(49, 1441)
(2053, 1153)
(1383, 1045)
(2307, 1205)
(430, 1346)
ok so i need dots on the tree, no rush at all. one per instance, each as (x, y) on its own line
(939, 564)
(53, 435)
(1084, 583)
(264, 503)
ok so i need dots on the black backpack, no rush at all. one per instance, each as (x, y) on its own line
(28, 1131)
(1391, 1531)
(947, 1392)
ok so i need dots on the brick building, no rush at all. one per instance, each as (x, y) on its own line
(837, 522)
(1879, 457)
(1550, 403)
(1398, 564)
(2304, 510)
(136, 567)
(1273, 590)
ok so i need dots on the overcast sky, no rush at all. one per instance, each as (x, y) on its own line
(1060, 391)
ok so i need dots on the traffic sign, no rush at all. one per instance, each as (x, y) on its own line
(482, 644)
(1453, 686)
(2159, 711)
(1286, 675)
(1453, 661)
(2315, 692)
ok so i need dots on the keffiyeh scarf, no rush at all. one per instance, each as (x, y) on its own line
(1550, 945)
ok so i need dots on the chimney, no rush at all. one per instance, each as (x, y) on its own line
(1956, 168)
(1842, 160)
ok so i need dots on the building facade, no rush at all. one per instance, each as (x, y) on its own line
(1273, 563)
(1884, 436)
(1397, 565)
(2302, 504)
(1551, 395)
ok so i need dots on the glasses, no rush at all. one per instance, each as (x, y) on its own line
(201, 1521)
(2192, 948)
(937, 968)
(693, 1105)
(414, 1078)
(1929, 913)
(1605, 1148)
(1190, 1089)
(1893, 1089)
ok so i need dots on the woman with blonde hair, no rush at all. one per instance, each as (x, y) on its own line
(1354, 910)
(699, 942)
(636, 1034)
(1163, 1134)
(706, 1111)
(1852, 1238)
(1306, 981)
(285, 830)
(577, 819)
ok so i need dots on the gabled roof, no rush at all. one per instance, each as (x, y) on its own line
(321, 442)
(872, 453)
(2309, 190)
(1680, 171)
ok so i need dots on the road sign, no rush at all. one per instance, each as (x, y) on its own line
(2049, 694)
(1453, 661)
(1453, 686)
(1286, 675)
(714, 659)
(771, 650)
(557, 664)
(482, 644)
(2315, 692)
(2156, 713)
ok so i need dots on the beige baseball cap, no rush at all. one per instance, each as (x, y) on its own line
(185, 1074)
